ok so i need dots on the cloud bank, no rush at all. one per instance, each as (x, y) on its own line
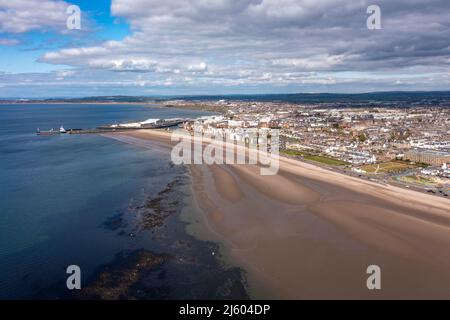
(221, 45)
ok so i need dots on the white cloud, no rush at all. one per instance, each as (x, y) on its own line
(18, 16)
(315, 63)
(9, 42)
(267, 42)
(137, 65)
(201, 67)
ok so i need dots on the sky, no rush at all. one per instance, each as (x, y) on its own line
(200, 47)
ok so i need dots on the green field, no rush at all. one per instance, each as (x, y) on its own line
(291, 152)
(315, 158)
(388, 167)
(418, 180)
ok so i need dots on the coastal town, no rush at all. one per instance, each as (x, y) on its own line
(217, 158)
(405, 146)
(402, 144)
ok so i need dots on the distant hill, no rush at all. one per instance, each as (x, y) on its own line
(402, 97)
(394, 96)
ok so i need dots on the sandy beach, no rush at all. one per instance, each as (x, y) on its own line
(311, 233)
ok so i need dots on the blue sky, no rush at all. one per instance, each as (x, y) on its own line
(23, 57)
(154, 47)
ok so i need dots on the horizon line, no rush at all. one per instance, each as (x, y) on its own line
(228, 94)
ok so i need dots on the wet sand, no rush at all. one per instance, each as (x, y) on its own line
(163, 260)
(311, 233)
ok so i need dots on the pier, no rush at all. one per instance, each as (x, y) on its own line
(102, 130)
(146, 125)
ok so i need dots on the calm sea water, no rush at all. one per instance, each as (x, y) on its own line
(56, 192)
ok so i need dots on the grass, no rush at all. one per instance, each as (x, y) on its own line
(315, 158)
(291, 152)
(388, 167)
(418, 180)
(325, 160)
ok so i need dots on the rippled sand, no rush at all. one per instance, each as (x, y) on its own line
(311, 233)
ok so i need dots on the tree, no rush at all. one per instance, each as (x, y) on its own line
(362, 137)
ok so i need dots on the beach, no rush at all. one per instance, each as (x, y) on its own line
(308, 232)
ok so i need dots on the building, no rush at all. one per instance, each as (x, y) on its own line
(431, 157)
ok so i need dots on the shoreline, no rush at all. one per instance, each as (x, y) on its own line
(152, 104)
(311, 233)
(164, 137)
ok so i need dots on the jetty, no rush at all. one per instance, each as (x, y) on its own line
(120, 127)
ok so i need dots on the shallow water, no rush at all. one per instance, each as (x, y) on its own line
(57, 192)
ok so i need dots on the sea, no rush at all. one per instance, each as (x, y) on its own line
(78, 200)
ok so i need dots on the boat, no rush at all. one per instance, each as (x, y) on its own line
(51, 132)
